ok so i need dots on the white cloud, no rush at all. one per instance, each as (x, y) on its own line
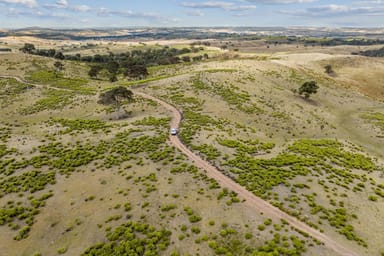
(209, 4)
(104, 12)
(64, 4)
(13, 12)
(242, 8)
(195, 13)
(371, 2)
(227, 6)
(332, 8)
(280, 1)
(28, 3)
(336, 10)
(81, 8)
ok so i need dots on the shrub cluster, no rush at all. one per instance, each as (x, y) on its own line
(132, 238)
(14, 213)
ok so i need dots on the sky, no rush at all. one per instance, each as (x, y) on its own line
(190, 13)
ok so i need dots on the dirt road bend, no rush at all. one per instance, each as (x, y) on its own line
(252, 201)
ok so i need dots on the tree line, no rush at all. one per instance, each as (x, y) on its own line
(321, 41)
(132, 64)
(371, 53)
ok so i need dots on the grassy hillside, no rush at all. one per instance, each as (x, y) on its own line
(75, 181)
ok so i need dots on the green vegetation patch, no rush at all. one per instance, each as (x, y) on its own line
(220, 70)
(10, 88)
(229, 243)
(247, 146)
(4, 150)
(209, 151)
(332, 151)
(376, 119)
(132, 238)
(14, 214)
(10, 165)
(67, 159)
(53, 100)
(152, 121)
(147, 80)
(57, 80)
(80, 124)
(5, 134)
(30, 181)
(229, 93)
(123, 147)
(194, 122)
(303, 158)
(260, 175)
(181, 99)
(193, 218)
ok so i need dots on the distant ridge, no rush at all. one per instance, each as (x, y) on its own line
(197, 33)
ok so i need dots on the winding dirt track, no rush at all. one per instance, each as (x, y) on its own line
(252, 201)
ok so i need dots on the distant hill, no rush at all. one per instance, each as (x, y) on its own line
(198, 33)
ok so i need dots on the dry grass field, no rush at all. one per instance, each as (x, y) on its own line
(75, 181)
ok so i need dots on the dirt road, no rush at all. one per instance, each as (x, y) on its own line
(252, 201)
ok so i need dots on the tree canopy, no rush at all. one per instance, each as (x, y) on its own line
(115, 96)
(132, 64)
(94, 71)
(308, 88)
(372, 53)
(328, 69)
(136, 71)
(28, 48)
(59, 66)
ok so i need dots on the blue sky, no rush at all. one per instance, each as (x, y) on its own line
(175, 13)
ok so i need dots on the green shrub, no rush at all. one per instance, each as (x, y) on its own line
(132, 238)
(53, 100)
(168, 207)
(57, 80)
(194, 218)
(248, 236)
(195, 230)
(79, 124)
(261, 227)
(62, 250)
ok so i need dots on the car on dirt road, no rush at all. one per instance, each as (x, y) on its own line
(173, 131)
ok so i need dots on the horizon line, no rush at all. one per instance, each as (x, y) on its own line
(194, 27)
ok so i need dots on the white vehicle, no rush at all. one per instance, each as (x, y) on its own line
(173, 131)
